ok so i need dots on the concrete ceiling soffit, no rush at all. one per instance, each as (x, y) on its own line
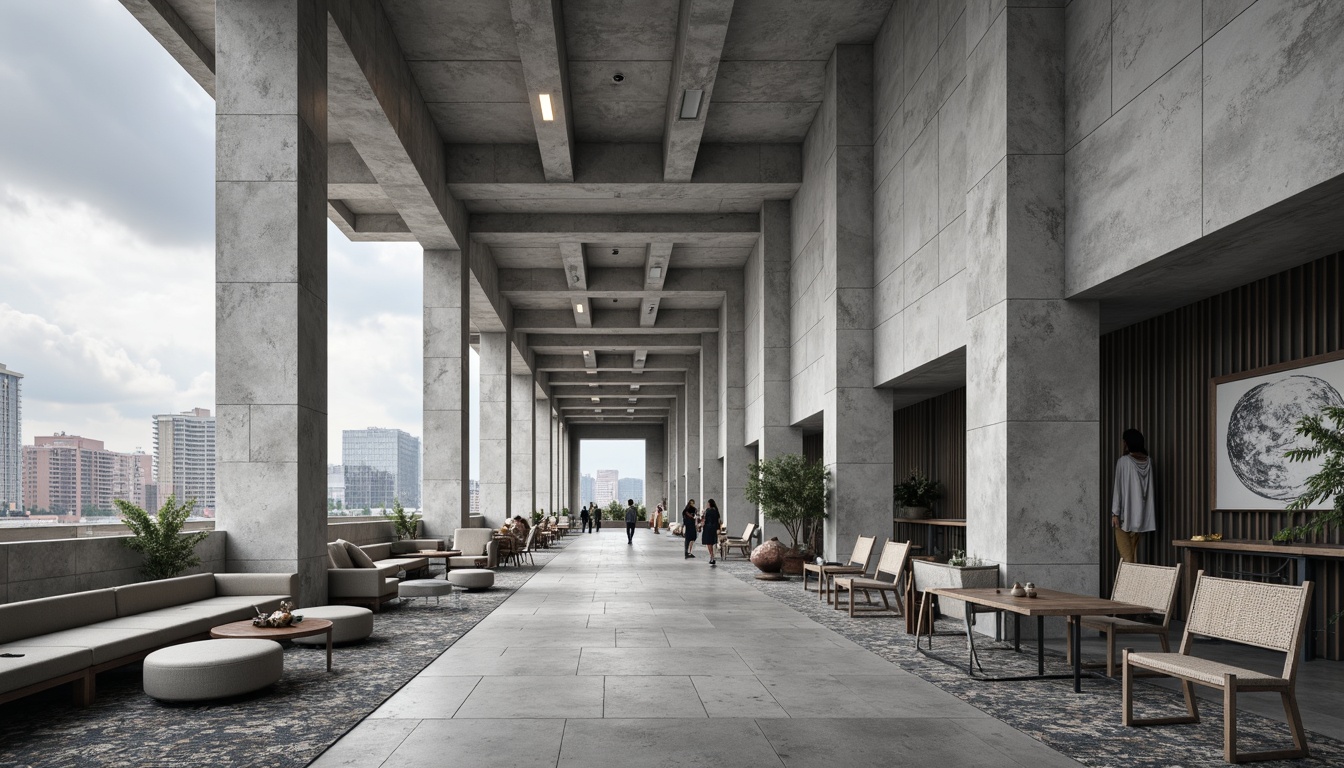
(489, 309)
(539, 26)
(165, 25)
(701, 30)
(655, 273)
(500, 170)
(561, 381)
(575, 342)
(374, 102)
(542, 322)
(616, 390)
(621, 363)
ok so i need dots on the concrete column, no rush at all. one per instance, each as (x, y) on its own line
(737, 457)
(857, 445)
(690, 470)
(1032, 359)
(542, 433)
(655, 459)
(271, 287)
(496, 360)
(711, 467)
(522, 475)
(675, 485)
(776, 435)
(447, 498)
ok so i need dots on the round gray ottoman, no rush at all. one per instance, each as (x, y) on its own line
(424, 588)
(212, 669)
(472, 579)
(349, 624)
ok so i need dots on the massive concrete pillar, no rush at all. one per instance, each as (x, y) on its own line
(737, 457)
(711, 467)
(654, 461)
(495, 438)
(768, 377)
(542, 496)
(690, 429)
(857, 442)
(1032, 363)
(522, 474)
(271, 287)
(676, 487)
(446, 496)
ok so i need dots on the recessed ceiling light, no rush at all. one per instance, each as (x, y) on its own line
(586, 353)
(592, 372)
(629, 410)
(634, 387)
(548, 115)
(690, 104)
(595, 399)
(634, 400)
(618, 77)
(578, 308)
(592, 383)
(656, 272)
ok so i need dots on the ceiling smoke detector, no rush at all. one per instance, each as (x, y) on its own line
(615, 251)
(618, 77)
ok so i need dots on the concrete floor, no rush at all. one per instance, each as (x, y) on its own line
(618, 655)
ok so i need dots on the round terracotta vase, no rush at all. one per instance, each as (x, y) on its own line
(769, 556)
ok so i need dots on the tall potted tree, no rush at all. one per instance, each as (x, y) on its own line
(1328, 482)
(791, 491)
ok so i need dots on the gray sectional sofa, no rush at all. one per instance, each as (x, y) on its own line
(71, 638)
(367, 575)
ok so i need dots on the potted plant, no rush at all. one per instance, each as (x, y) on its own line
(1284, 537)
(960, 571)
(791, 491)
(1328, 483)
(159, 537)
(404, 523)
(915, 494)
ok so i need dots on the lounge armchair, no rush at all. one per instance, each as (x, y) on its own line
(1150, 585)
(743, 543)
(860, 560)
(1272, 616)
(474, 543)
(353, 578)
(892, 564)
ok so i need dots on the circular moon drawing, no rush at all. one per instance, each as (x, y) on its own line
(1263, 426)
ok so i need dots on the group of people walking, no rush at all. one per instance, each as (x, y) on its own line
(706, 523)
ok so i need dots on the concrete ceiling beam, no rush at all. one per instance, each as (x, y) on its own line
(545, 322)
(617, 282)
(602, 170)
(368, 227)
(162, 21)
(618, 390)
(655, 274)
(561, 381)
(539, 27)
(570, 343)
(576, 280)
(701, 30)
(546, 229)
(569, 361)
(373, 100)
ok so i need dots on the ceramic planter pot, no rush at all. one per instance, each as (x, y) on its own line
(769, 556)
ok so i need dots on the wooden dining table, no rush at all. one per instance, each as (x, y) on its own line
(1048, 602)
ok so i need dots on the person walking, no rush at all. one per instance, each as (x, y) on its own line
(1133, 503)
(585, 522)
(688, 527)
(631, 520)
(597, 516)
(709, 529)
(657, 522)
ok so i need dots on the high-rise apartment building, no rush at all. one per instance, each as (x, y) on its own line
(474, 492)
(72, 475)
(380, 465)
(631, 488)
(184, 458)
(11, 441)
(606, 486)
(336, 486)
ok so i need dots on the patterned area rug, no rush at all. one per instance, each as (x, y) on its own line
(289, 724)
(1084, 726)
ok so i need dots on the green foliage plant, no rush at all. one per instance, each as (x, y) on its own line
(916, 491)
(1328, 483)
(791, 491)
(405, 523)
(158, 537)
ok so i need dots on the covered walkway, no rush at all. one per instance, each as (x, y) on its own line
(632, 656)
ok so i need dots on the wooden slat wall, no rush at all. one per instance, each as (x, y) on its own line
(931, 438)
(1155, 377)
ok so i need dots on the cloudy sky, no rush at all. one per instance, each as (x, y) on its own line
(107, 246)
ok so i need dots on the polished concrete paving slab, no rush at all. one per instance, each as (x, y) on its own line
(619, 655)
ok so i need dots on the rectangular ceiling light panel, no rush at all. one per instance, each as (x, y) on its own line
(548, 114)
(690, 104)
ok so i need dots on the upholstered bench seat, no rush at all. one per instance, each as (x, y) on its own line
(472, 579)
(349, 623)
(424, 588)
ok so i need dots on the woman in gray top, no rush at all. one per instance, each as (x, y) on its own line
(1133, 503)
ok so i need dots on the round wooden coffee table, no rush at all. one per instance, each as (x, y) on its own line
(436, 554)
(305, 628)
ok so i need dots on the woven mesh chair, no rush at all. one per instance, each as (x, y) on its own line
(1271, 616)
(1150, 585)
(743, 543)
(860, 560)
(891, 564)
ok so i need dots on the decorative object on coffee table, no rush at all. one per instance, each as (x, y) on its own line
(283, 617)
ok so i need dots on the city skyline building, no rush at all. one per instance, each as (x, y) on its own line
(380, 466)
(336, 486)
(184, 458)
(74, 476)
(474, 490)
(630, 488)
(11, 440)
(586, 483)
(606, 484)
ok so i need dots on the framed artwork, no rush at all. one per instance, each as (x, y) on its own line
(1255, 415)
